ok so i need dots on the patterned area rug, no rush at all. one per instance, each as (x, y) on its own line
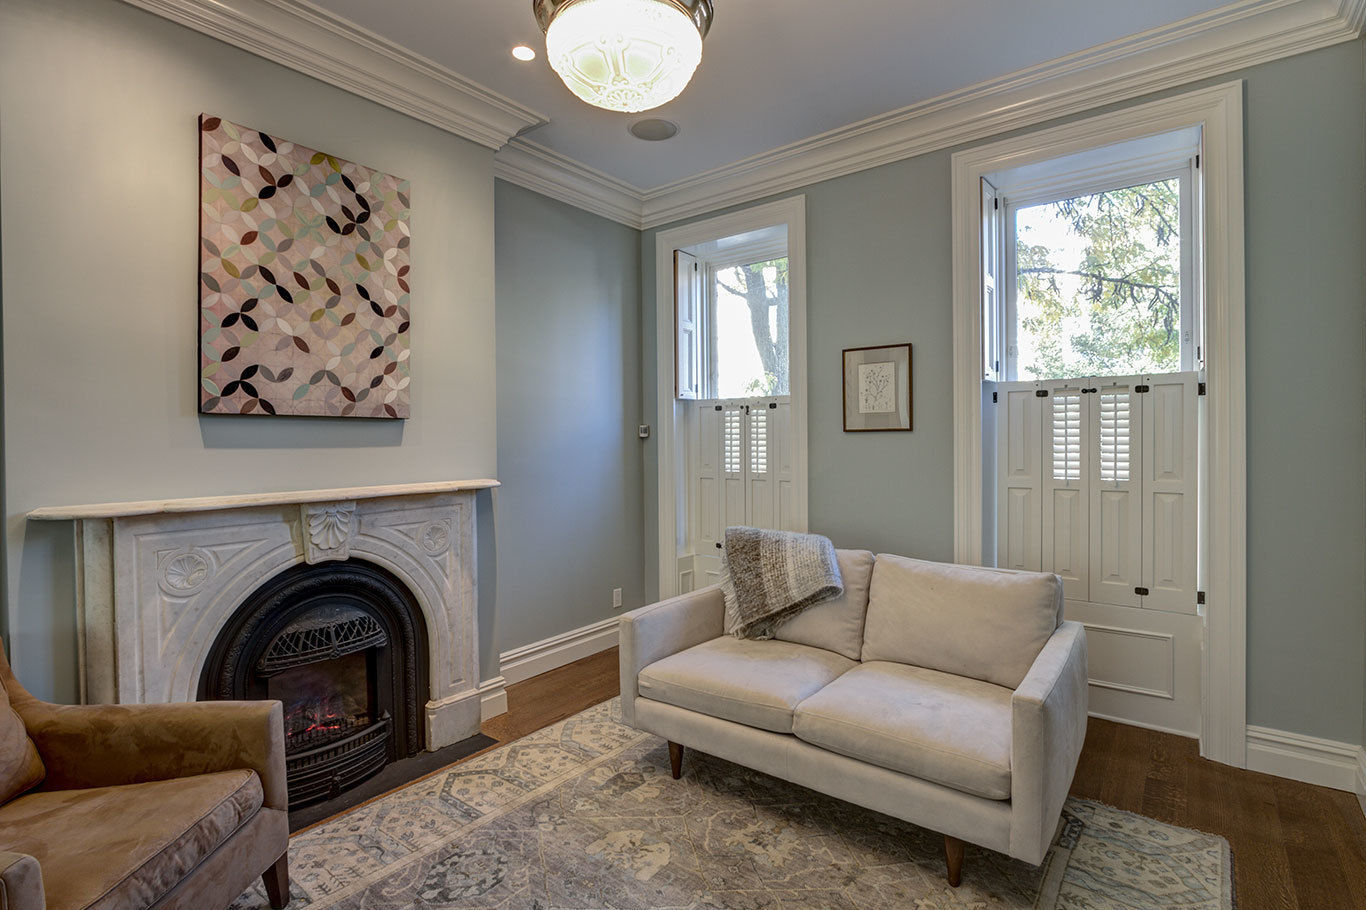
(584, 815)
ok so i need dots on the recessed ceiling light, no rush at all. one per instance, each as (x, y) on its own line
(653, 129)
(523, 53)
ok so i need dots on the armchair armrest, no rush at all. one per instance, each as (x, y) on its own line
(21, 882)
(1048, 717)
(107, 745)
(654, 632)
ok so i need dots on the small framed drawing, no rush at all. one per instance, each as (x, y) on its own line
(877, 388)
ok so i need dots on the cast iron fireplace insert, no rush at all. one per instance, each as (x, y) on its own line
(342, 645)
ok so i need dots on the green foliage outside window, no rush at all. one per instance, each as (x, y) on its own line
(1115, 308)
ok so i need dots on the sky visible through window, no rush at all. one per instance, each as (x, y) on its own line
(1098, 284)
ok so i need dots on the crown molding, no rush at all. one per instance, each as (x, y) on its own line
(317, 43)
(549, 173)
(1242, 34)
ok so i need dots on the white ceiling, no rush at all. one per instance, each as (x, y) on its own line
(772, 72)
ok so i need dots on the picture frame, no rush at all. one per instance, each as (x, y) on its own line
(877, 388)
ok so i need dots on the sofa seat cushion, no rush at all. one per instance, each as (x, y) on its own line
(126, 846)
(948, 729)
(755, 683)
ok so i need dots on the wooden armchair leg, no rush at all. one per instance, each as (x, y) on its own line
(276, 880)
(953, 857)
(676, 760)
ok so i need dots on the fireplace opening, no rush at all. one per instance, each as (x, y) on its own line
(342, 646)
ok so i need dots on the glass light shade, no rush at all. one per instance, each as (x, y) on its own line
(624, 55)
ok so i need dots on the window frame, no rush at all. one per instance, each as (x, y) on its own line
(714, 260)
(1159, 157)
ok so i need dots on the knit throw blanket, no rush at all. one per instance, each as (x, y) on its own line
(771, 576)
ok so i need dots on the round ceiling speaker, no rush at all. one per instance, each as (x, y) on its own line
(653, 129)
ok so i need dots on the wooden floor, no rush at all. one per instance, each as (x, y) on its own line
(1294, 845)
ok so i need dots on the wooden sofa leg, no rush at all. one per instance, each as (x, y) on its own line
(676, 760)
(276, 880)
(953, 857)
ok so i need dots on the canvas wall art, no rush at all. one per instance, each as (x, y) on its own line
(304, 280)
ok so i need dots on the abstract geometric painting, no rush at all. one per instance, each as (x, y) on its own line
(304, 280)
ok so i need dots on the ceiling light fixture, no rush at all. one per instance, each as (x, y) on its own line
(624, 55)
(523, 53)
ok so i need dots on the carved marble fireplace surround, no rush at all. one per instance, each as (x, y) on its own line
(157, 581)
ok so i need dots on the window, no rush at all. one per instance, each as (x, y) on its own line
(1098, 251)
(733, 318)
(750, 329)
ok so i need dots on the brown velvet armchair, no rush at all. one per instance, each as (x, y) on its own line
(123, 806)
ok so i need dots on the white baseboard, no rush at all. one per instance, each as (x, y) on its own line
(543, 656)
(1361, 778)
(493, 698)
(1304, 758)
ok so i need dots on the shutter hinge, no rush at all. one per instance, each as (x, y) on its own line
(1040, 393)
(1140, 389)
(993, 398)
(996, 202)
(1197, 162)
(1141, 592)
(1199, 597)
(1201, 390)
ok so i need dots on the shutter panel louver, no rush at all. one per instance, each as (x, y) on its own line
(1116, 498)
(734, 493)
(1065, 543)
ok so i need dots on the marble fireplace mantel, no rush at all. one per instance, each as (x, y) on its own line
(157, 580)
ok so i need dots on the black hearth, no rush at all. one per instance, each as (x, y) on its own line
(343, 647)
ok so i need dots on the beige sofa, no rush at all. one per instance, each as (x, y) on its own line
(953, 697)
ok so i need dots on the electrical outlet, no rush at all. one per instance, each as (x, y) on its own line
(616, 598)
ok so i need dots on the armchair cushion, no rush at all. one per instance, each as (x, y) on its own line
(20, 767)
(126, 846)
(948, 729)
(836, 625)
(755, 683)
(985, 623)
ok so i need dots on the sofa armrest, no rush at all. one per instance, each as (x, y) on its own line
(107, 745)
(654, 632)
(1048, 717)
(21, 882)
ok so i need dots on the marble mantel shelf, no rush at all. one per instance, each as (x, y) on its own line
(250, 500)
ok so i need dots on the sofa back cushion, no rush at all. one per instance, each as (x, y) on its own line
(984, 623)
(836, 625)
(20, 767)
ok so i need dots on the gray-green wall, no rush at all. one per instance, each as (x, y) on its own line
(569, 513)
(879, 271)
(99, 188)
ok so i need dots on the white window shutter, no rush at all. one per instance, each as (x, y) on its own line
(1066, 508)
(688, 301)
(1169, 471)
(733, 468)
(709, 455)
(993, 238)
(761, 489)
(1019, 453)
(1114, 429)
